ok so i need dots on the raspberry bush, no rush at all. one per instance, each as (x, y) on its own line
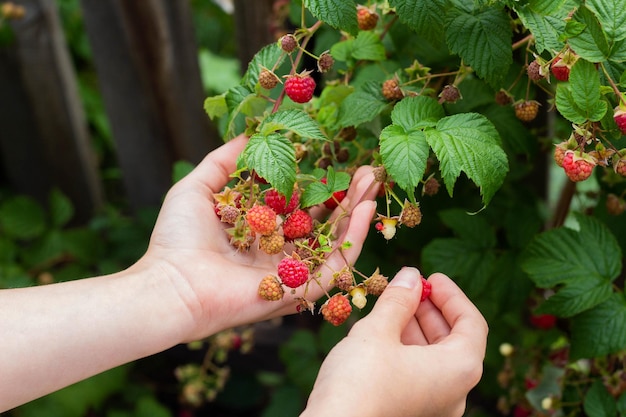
(516, 109)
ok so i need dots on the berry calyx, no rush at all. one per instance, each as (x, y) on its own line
(300, 87)
(261, 219)
(366, 18)
(279, 203)
(337, 309)
(298, 224)
(293, 272)
(578, 166)
(270, 288)
(526, 110)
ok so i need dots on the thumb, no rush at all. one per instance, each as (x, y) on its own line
(398, 303)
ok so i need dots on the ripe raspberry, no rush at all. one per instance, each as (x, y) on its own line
(376, 283)
(293, 272)
(534, 71)
(358, 297)
(272, 244)
(268, 79)
(325, 62)
(391, 90)
(527, 110)
(560, 69)
(543, 321)
(336, 198)
(431, 186)
(450, 94)
(503, 98)
(300, 87)
(298, 224)
(615, 205)
(344, 279)
(427, 289)
(337, 309)
(278, 202)
(262, 219)
(619, 116)
(288, 43)
(411, 214)
(270, 288)
(578, 166)
(366, 18)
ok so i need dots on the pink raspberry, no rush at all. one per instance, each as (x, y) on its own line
(293, 272)
(278, 202)
(578, 167)
(298, 224)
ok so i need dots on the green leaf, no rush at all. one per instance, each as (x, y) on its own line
(60, 207)
(22, 217)
(426, 18)
(362, 106)
(612, 17)
(294, 120)
(582, 263)
(599, 402)
(317, 192)
(585, 87)
(215, 106)
(546, 7)
(273, 158)
(549, 385)
(591, 44)
(340, 14)
(241, 102)
(618, 51)
(469, 142)
(271, 56)
(404, 155)
(417, 113)
(472, 228)
(566, 105)
(482, 38)
(545, 29)
(599, 331)
(368, 46)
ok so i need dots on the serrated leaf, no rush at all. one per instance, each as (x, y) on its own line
(362, 106)
(546, 7)
(317, 192)
(340, 14)
(618, 51)
(417, 113)
(599, 331)
(241, 102)
(471, 228)
(612, 17)
(368, 46)
(545, 29)
(22, 217)
(273, 158)
(585, 86)
(598, 402)
(469, 142)
(215, 106)
(566, 105)
(294, 120)
(270, 56)
(582, 263)
(482, 39)
(591, 44)
(60, 208)
(404, 154)
(426, 18)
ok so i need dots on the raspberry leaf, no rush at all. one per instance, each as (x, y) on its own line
(547, 29)
(426, 18)
(215, 106)
(317, 192)
(368, 46)
(591, 44)
(241, 103)
(269, 57)
(482, 37)
(362, 105)
(566, 105)
(417, 113)
(612, 17)
(273, 158)
(585, 86)
(340, 14)
(582, 263)
(294, 120)
(470, 143)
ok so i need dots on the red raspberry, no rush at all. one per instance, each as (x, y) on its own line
(278, 202)
(366, 18)
(300, 87)
(427, 289)
(619, 116)
(526, 110)
(560, 69)
(293, 272)
(337, 197)
(543, 321)
(578, 167)
(298, 224)
(521, 411)
(261, 219)
(337, 309)
(270, 288)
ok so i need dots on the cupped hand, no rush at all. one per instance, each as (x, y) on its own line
(405, 358)
(217, 283)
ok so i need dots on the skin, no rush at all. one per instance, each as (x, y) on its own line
(191, 283)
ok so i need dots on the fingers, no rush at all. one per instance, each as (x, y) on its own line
(396, 306)
(215, 169)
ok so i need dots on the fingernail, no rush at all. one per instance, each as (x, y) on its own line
(407, 277)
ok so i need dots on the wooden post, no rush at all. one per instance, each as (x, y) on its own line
(253, 21)
(146, 59)
(44, 140)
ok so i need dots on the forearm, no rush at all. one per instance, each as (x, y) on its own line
(58, 334)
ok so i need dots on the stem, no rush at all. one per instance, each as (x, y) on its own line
(618, 93)
(522, 41)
